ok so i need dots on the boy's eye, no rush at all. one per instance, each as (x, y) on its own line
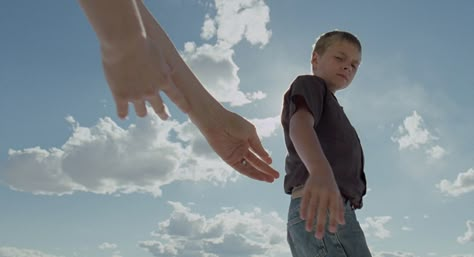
(338, 58)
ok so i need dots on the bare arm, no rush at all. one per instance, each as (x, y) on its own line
(133, 66)
(116, 22)
(232, 137)
(320, 191)
(202, 104)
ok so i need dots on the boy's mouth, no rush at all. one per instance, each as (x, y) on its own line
(343, 76)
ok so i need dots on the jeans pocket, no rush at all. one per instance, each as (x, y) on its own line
(304, 243)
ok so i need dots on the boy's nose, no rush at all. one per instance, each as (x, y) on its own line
(347, 68)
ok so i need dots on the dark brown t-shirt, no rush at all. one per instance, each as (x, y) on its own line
(336, 135)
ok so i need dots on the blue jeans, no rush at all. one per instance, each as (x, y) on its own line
(348, 241)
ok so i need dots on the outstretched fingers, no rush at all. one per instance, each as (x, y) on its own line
(121, 105)
(322, 212)
(248, 166)
(140, 108)
(336, 214)
(260, 158)
(157, 104)
(258, 148)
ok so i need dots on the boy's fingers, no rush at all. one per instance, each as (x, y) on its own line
(304, 204)
(321, 218)
(311, 213)
(334, 216)
(340, 215)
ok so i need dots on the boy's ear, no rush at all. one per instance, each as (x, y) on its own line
(314, 59)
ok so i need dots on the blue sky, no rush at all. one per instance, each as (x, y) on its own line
(77, 181)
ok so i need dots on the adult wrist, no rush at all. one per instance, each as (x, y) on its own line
(114, 50)
(206, 113)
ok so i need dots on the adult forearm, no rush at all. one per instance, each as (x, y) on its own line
(116, 22)
(203, 107)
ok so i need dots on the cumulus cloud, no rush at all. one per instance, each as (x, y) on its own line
(107, 159)
(227, 234)
(215, 67)
(107, 245)
(463, 184)
(436, 152)
(208, 28)
(18, 252)
(412, 134)
(213, 63)
(266, 127)
(469, 235)
(239, 19)
(375, 226)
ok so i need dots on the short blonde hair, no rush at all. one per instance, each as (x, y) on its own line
(328, 38)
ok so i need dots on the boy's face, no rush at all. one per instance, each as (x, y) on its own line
(337, 65)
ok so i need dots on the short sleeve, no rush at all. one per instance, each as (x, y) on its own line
(313, 90)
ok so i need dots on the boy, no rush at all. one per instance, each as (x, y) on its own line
(324, 164)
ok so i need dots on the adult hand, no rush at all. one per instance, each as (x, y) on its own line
(236, 141)
(320, 195)
(136, 72)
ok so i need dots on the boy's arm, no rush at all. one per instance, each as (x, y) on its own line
(320, 191)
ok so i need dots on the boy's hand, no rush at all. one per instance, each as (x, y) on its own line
(320, 195)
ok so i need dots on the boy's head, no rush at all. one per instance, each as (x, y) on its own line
(336, 58)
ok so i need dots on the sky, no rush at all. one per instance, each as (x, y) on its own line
(75, 180)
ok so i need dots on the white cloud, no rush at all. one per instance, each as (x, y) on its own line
(406, 228)
(229, 233)
(214, 64)
(266, 127)
(18, 252)
(107, 159)
(436, 152)
(375, 226)
(239, 19)
(215, 67)
(208, 28)
(107, 245)
(463, 184)
(469, 235)
(412, 133)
